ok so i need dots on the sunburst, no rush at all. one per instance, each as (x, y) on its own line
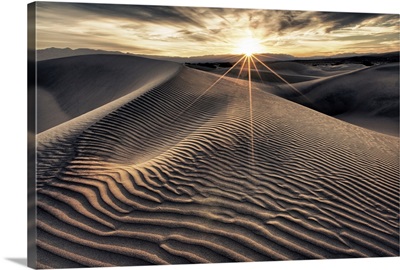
(248, 48)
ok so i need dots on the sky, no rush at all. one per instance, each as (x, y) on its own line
(187, 31)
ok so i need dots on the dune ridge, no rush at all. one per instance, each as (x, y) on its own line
(169, 177)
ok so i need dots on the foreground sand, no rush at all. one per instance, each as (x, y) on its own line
(169, 176)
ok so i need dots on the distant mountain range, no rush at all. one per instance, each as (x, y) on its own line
(51, 53)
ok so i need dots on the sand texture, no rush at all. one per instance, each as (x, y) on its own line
(139, 162)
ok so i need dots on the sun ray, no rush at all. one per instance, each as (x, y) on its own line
(251, 111)
(241, 69)
(227, 58)
(208, 89)
(202, 94)
(286, 82)
(222, 76)
(255, 67)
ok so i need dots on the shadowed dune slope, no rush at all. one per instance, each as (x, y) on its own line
(368, 97)
(71, 86)
(373, 91)
(170, 177)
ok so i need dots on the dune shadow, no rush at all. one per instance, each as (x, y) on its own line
(20, 261)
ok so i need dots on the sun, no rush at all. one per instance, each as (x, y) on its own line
(248, 46)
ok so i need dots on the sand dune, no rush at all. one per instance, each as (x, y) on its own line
(71, 86)
(178, 175)
(364, 96)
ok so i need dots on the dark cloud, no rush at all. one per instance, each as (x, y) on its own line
(255, 23)
(370, 37)
(155, 14)
(338, 20)
(293, 20)
(185, 32)
(97, 34)
(387, 20)
(285, 21)
(209, 35)
(199, 38)
(215, 31)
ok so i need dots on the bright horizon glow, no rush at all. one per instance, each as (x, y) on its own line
(248, 46)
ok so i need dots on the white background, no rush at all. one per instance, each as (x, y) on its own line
(13, 191)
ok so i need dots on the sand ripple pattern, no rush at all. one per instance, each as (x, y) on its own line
(164, 180)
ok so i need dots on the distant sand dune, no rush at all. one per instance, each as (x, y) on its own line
(364, 96)
(169, 177)
(292, 72)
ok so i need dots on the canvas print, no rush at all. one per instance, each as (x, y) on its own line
(184, 135)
